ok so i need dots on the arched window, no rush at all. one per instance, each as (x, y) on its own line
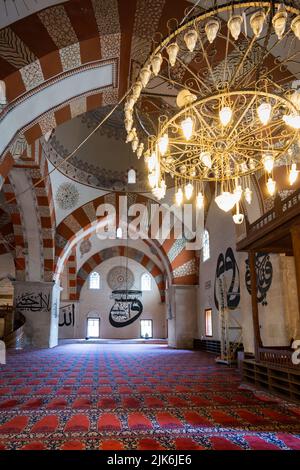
(146, 281)
(205, 247)
(131, 176)
(119, 233)
(94, 280)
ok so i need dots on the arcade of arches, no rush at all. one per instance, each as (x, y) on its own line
(149, 307)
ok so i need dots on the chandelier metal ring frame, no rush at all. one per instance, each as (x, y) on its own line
(237, 111)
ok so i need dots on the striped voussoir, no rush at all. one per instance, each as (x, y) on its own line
(108, 253)
(182, 262)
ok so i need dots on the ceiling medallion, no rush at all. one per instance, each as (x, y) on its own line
(120, 277)
(67, 196)
(237, 108)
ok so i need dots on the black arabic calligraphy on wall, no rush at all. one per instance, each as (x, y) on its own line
(228, 264)
(33, 302)
(264, 276)
(126, 309)
(67, 315)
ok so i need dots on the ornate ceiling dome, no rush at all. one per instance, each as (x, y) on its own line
(105, 159)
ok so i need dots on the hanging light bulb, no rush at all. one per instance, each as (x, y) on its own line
(211, 29)
(179, 197)
(295, 99)
(293, 174)
(271, 186)
(128, 113)
(134, 144)
(292, 120)
(172, 51)
(187, 126)
(279, 22)
(257, 22)
(200, 200)
(226, 201)
(238, 192)
(205, 158)
(235, 26)
(140, 150)
(238, 218)
(225, 115)
(128, 124)
(189, 188)
(268, 162)
(156, 63)
(163, 144)
(129, 103)
(131, 135)
(136, 90)
(190, 39)
(264, 112)
(152, 161)
(295, 26)
(248, 195)
(152, 178)
(145, 75)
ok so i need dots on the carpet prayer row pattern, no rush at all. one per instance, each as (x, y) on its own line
(119, 396)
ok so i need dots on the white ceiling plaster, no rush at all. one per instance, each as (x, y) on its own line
(53, 95)
(86, 193)
(15, 10)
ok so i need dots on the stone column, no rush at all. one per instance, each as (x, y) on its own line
(39, 303)
(182, 316)
(295, 233)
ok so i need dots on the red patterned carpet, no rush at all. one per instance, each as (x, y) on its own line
(131, 396)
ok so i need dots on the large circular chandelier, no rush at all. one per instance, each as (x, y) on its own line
(229, 81)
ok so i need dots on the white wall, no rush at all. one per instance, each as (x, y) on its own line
(275, 330)
(98, 303)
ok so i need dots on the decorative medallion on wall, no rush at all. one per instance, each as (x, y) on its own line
(85, 247)
(120, 277)
(227, 275)
(264, 276)
(126, 309)
(67, 196)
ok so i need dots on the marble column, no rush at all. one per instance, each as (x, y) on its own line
(39, 303)
(182, 316)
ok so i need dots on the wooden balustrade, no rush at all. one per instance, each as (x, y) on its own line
(279, 357)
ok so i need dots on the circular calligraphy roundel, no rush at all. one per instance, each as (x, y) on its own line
(120, 277)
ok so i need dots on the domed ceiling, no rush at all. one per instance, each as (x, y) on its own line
(103, 162)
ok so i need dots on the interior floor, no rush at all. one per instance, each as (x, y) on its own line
(135, 396)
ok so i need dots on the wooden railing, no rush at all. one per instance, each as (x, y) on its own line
(280, 207)
(279, 357)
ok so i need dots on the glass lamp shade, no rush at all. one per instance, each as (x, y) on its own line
(226, 201)
(225, 115)
(264, 112)
(292, 120)
(152, 161)
(248, 195)
(238, 218)
(172, 51)
(205, 158)
(271, 186)
(268, 162)
(200, 200)
(179, 197)
(163, 144)
(187, 126)
(188, 191)
(293, 175)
